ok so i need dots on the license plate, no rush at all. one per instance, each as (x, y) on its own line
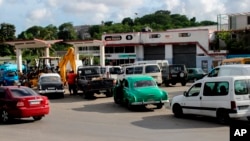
(34, 102)
(174, 75)
(51, 88)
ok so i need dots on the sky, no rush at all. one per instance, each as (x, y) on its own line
(24, 14)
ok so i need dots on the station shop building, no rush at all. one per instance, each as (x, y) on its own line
(183, 46)
(189, 47)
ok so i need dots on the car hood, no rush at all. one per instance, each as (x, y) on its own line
(147, 91)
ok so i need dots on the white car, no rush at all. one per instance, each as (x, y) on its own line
(50, 84)
(230, 70)
(222, 97)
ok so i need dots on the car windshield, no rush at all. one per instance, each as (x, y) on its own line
(152, 69)
(144, 83)
(89, 71)
(176, 69)
(50, 79)
(21, 92)
(11, 73)
(199, 70)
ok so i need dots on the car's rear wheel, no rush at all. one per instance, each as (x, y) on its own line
(183, 83)
(129, 106)
(177, 110)
(37, 117)
(166, 84)
(222, 116)
(4, 116)
(109, 93)
(159, 106)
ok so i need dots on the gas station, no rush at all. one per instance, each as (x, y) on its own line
(46, 44)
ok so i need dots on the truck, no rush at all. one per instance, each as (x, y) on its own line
(90, 81)
(8, 74)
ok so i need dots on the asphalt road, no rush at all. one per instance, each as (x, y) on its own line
(76, 119)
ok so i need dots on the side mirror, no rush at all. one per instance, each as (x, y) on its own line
(185, 93)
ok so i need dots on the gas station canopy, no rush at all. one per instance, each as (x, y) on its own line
(36, 43)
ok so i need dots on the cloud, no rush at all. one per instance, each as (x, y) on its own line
(38, 16)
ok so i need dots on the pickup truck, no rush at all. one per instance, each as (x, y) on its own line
(91, 80)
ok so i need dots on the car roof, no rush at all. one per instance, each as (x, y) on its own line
(13, 86)
(49, 74)
(221, 78)
(235, 66)
(138, 77)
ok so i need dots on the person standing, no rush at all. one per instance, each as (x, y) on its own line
(71, 79)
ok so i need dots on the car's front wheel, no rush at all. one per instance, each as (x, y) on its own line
(109, 93)
(4, 116)
(37, 117)
(177, 110)
(223, 116)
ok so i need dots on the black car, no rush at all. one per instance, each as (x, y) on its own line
(50, 84)
(176, 73)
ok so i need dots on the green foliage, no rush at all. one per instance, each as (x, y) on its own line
(67, 32)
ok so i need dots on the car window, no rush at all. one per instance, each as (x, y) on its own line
(125, 83)
(216, 88)
(176, 69)
(50, 79)
(22, 92)
(214, 72)
(11, 73)
(89, 71)
(138, 70)
(194, 90)
(144, 83)
(190, 71)
(152, 69)
(129, 70)
(241, 87)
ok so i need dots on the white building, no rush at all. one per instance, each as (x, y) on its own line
(181, 46)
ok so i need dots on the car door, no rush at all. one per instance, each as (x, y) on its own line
(191, 101)
(2, 98)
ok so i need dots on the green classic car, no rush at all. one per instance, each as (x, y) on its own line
(139, 90)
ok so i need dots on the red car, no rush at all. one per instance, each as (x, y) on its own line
(22, 102)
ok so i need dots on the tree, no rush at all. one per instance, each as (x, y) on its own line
(128, 21)
(67, 32)
(7, 33)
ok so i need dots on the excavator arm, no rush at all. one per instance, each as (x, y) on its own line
(68, 57)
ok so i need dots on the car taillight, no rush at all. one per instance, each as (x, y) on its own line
(233, 105)
(20, 104)
(46, 102)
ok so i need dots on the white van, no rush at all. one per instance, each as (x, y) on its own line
(161, 63)
(222, 97)
(145, 69)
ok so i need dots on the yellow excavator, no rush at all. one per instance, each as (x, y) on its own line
(68, 57)
(62, 63)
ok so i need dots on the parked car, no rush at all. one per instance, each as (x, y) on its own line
(195, 74)
(22, 102)
(90, 81)
(174, 73)
(139, 90)
(142, 69)
(230, 70)
(222, 97)
(50, 84)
